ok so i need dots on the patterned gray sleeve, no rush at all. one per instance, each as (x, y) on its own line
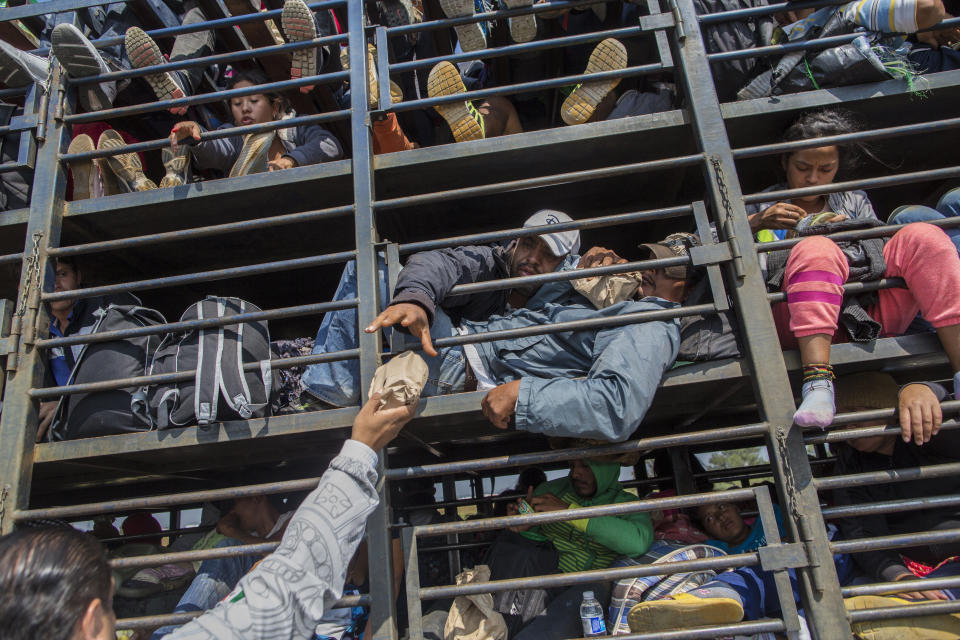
(287, 593)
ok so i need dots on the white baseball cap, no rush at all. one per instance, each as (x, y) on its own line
(562, 242)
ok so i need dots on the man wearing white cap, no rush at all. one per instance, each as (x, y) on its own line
(423, 288)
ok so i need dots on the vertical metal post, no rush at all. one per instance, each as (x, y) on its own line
(820, 588)
(25, 363)
(768, 520)
(449, 495)
(378, 526)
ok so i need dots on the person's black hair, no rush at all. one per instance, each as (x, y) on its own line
(531, 477)
(48, 578)
(831, 122)
(257, 77)
(69, 261)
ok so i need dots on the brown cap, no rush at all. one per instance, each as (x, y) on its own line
(673, 246)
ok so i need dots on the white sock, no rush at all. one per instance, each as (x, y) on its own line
(817, 408)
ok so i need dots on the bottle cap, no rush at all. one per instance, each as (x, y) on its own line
(588, 595)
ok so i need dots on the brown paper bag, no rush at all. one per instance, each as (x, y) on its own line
(473, 617)
(604, 291)
(400, 380)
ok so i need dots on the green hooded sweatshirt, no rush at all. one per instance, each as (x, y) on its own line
(593, 543)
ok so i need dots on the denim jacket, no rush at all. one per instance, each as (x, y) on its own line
(590, 383)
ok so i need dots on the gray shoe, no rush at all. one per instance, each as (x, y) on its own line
(471, 36)
(254, 154)
(125, 166)
(19, 68)
(82, 170)
(81, 59)
(177, 165)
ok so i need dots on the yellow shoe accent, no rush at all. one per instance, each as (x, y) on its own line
(682, 611)
(465, 121)
(609, 55)
(945, 626)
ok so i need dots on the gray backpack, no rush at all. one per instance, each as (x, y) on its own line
(232, 364)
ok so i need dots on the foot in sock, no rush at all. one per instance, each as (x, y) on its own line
(713, 604)
(817, 408)
(144, 52)
(81, 59)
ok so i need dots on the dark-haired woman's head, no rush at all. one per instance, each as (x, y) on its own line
(257, 108)
(819, 165)
(55, 583)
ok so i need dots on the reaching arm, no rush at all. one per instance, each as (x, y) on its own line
(316, 145)
(288, 592)
(427, 277)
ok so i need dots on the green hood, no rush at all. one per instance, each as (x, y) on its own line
(607, 475)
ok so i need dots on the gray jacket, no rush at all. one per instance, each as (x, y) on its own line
(594, 383)
(309, 144)
(854, 204)
(288, 593)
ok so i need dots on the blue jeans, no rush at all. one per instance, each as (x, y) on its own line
(758, 591)
(338, 383)
(948, 207)
(216, 578)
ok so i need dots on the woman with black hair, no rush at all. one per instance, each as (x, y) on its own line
(255, 152)
(813, 167)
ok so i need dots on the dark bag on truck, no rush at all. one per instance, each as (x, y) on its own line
(224, 386)
(102, 413)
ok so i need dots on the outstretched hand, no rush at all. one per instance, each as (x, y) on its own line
(183, 130)
(919, 412)
(599, 257)
(376, 427)
(411, 317)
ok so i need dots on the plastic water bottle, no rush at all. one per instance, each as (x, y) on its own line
(591, 615)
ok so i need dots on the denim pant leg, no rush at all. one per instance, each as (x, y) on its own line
(338, 383)
(216, 578)
(948, 206)
(447, 372)
(756, 588)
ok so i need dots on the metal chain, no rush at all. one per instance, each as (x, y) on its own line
(721, 185)
(3, 502)
(33, 275)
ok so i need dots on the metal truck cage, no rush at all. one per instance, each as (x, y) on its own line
(281, 238)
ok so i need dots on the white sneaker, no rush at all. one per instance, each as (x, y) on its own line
(19, 68)
(81, 59)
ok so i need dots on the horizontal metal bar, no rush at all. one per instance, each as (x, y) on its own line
(197, 232)
(536, 85)
(33, 10)
(201, 276)
(744, 629)
(844, 435)
(888, 475)
(587, 223)
(902, 611)
(205, 98)
(158, 559)
(586, 577)
(865, 183)
(542, 181)
(856, 234)
(181, 376)
(14, 92)
(739, 14)
(891, 506)
(895, 542)
(918, 128)
(780, 49)
(189, 325)
(564, 276)
(162, 143)
(870, 415)
(513, 49)
(218, 23)
(852, 288)
(618, 509)
(175, 533)
(152, 622)
(574, 325)
(27, 122)
(564, 455)
(903, 586)
(207, 61)
(444, 23)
